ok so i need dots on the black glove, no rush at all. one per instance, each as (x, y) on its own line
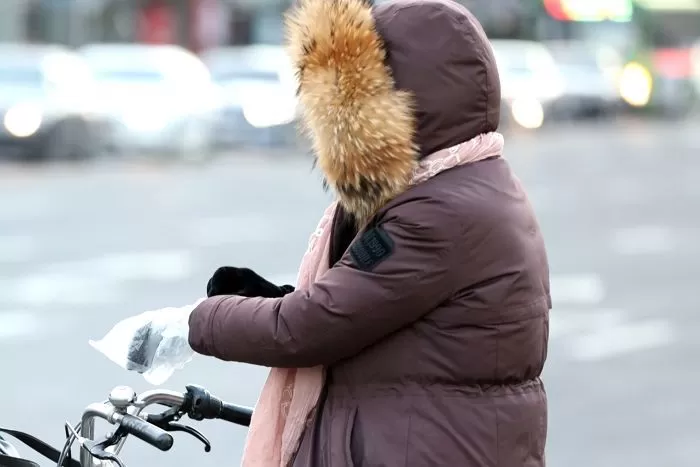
(228, 280)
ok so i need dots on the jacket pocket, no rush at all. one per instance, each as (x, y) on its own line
(378, 434)
(352, 415)
(339, 450)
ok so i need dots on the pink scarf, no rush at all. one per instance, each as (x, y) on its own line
(290, 395)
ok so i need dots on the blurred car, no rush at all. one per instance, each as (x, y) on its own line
(157, 98)
(258, 91)
(531, 82)
(695, 64)
(590, 79)
(46, 96)
(673, 88)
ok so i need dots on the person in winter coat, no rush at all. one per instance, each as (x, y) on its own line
(418, 329)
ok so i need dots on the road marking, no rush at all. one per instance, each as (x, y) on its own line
(585, 289)
(592, 333)
(158, 266)
(18, 324)
(643, 240)
(58, 289)
(564, 323)
(216, 231)
(96, 280)
(16, 249)
(622, 339)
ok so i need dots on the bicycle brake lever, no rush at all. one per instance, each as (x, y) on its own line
(111, 439)
(190, 431)
(163, 418)
(97, 452)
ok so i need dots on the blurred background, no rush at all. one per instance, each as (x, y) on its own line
(144, 143)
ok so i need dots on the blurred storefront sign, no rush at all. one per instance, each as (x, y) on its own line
(207, 23)
(590, 10)
(156, 23)
(668, 5)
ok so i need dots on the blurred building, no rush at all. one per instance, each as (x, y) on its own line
(195, 24)
(192, 23)
(198, 24)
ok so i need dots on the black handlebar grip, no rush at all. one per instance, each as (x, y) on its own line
(203, 405)
(143, 430)
(230, 412)
(235, 414)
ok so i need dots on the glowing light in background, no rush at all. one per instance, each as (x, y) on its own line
(23, 120)
(528, 113)
(636, 85)
(590, 10)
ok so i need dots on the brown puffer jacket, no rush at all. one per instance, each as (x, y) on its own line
(434, 355)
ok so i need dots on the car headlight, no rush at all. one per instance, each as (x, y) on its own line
(528, 113)
(635, 85)
(23, 120)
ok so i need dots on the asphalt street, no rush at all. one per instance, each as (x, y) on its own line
(82, 247)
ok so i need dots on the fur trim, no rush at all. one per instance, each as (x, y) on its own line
(361, 127)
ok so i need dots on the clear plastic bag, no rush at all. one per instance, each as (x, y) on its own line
(154, 343)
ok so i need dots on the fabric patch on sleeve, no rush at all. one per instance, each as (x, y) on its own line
(373, 247)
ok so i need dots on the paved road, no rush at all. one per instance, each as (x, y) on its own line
(81, 248)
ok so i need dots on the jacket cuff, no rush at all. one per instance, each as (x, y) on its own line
(201, 323)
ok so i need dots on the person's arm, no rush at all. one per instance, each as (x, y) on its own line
(365, 297)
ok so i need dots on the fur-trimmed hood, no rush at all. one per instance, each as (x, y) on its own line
(382, 86)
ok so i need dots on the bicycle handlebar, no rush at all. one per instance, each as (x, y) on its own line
(159, 397)
(205, 405)
(147, 432)
(124, 408)
(236, 414)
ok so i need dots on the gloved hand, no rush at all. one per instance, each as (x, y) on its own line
(228, 280)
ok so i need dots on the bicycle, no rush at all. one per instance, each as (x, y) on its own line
(124, 409)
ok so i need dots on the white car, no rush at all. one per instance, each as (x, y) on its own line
(590, 75)
(46, 104)
(159, 98)
(531, 82)
(258, 90)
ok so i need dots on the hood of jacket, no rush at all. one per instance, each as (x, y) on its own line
(382, 86)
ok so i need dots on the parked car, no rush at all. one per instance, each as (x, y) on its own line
(157, 98)
(674, 93)
(258, 89)
(590, 79)
(46, 97)
(531, 82)
(695, 64)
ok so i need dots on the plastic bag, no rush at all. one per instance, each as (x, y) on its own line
(154, 343)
